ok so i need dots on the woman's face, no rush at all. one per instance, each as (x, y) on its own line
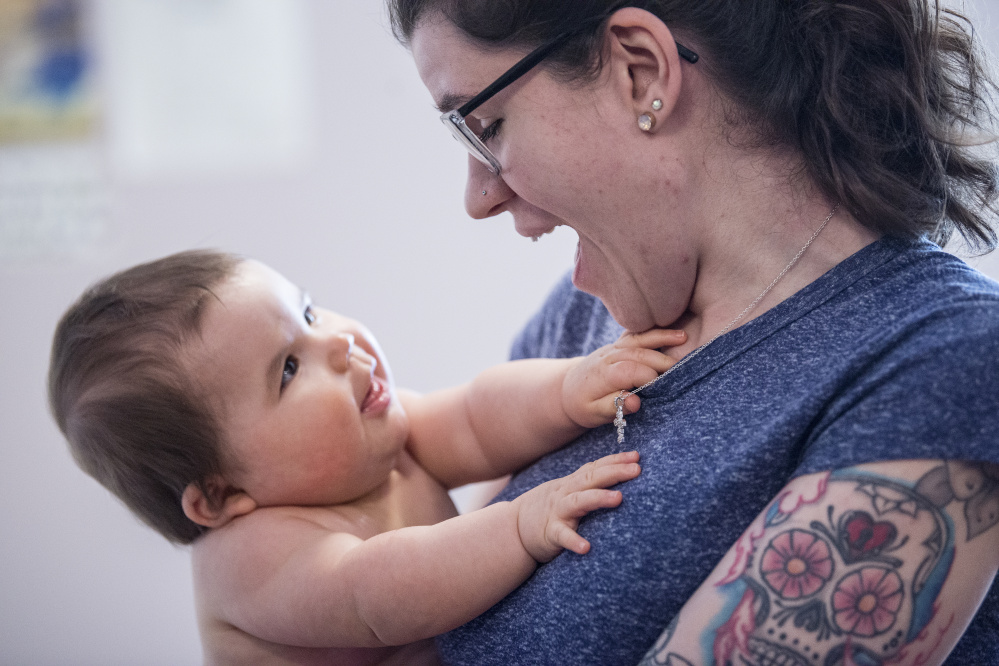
(571, 154)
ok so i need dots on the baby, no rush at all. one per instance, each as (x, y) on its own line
(212, 397)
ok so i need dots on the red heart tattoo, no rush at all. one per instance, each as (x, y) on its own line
(863, 536)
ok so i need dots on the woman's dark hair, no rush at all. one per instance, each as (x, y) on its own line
(134, 419)
(888, 101)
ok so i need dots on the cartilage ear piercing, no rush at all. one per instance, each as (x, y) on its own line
(657, 104)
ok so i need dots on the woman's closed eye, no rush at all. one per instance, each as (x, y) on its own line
(490, 132)
(289, 371)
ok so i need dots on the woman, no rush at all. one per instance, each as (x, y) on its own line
(820, 472)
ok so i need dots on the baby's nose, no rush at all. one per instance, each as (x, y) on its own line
(341, 348)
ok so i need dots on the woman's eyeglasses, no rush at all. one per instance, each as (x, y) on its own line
(455, 119)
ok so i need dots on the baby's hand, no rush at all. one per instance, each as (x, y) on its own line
(589, 388)
(548, 514)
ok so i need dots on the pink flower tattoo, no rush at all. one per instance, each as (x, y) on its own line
(866, 602)
(796, 564)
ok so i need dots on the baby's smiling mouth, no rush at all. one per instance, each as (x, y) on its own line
(377, 398)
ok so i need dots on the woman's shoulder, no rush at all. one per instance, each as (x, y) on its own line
(935, 272)
(917, 348)
(909, 302)
(930, 290)
(902, 286)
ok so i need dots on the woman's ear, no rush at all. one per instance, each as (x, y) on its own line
(214, 503)
(644, 59)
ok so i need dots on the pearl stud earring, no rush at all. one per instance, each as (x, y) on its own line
(657, 104)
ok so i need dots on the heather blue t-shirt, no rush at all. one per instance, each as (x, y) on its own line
(893, 354)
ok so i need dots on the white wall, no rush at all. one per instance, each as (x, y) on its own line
(372, 224)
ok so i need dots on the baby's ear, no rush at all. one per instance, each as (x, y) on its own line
(214, 503)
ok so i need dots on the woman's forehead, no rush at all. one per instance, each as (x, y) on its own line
(451, 65)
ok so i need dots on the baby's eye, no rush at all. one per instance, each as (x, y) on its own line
(289, 371)
(310, 316)
(490, 131)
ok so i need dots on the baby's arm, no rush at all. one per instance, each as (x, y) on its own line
(295, 582)
(516, 412)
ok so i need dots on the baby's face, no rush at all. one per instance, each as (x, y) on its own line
(309, 412)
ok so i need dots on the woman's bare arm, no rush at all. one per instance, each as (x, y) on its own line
(881, 563)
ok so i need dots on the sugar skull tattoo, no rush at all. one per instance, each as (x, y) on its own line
(854, 581)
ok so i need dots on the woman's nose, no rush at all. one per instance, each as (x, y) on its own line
(485, 192)
(341, 347)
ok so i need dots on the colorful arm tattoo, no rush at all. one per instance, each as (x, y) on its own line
(845, 569)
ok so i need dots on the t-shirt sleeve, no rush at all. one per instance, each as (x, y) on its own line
(537, 336)
(932, 393)
(528, 342)
(570, 323)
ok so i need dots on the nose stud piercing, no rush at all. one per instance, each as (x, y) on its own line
(647, 121)
(483, 193)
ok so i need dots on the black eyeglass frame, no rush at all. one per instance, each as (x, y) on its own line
(455, 119)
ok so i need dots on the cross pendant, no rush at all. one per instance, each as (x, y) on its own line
(619, 421)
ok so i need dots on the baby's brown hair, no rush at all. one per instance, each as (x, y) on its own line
(118, 389)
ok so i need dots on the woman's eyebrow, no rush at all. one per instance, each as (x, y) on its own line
(451, 101)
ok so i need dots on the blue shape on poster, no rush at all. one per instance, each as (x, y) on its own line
(60, 71)
(62, 65)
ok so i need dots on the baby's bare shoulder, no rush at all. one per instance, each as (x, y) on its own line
(263, 541)
(264, 526)
(261, 559)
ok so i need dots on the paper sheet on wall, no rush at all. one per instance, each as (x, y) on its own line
(207, 86)
(53, 194)
(53, 201)
(47, 87)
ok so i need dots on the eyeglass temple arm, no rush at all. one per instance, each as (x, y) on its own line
(512, 74)
(686, 53)
(532, 59)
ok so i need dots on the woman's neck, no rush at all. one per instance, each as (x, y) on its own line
(752, 231)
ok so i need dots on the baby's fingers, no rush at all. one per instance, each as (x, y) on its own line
(573, 507)
(583, 502)
(606, 471)
(564, 536)
(576, 495)
(562, 532)
(654, 338)
(632, 357)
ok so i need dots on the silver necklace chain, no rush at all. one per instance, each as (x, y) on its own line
(619, 421)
